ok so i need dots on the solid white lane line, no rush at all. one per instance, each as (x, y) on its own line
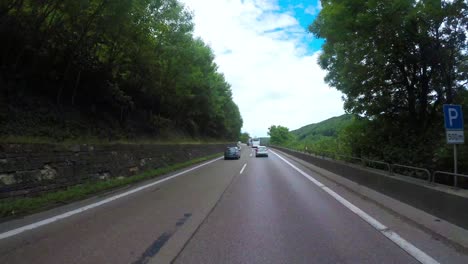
(415, 252)
(243, 167)
(47, 221)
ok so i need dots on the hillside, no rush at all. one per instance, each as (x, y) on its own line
(109, 70)
(326, 128)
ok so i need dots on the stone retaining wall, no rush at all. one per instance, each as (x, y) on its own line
(26, 169)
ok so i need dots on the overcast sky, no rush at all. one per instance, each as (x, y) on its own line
(266, 54)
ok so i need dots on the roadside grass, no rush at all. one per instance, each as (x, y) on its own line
(12, 207)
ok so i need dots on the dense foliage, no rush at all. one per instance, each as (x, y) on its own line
(327, 135)
(327, 128)
(244, 137)
(279, 135)
(132, 66)
(346, 135)
(396, 62)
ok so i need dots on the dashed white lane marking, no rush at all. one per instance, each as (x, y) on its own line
(50, 220)
(415, 252)
(243, 167)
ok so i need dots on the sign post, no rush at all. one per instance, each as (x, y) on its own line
(453, 117)
(455, 167)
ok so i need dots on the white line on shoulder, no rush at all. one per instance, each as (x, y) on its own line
(415, 252)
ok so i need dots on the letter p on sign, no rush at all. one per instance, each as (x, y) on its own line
(453, 117)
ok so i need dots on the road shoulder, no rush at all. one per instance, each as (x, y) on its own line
(424, 230)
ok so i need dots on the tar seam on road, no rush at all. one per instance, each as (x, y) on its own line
(243, 167)
(153, 249)
(204, 220)
(156, 246)
(50, 220)
(412, 250)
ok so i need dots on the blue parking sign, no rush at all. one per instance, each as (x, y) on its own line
(453, 117)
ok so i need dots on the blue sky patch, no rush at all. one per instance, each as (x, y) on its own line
(305, 12)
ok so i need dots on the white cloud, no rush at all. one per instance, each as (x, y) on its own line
(314, 10)
(260, 51)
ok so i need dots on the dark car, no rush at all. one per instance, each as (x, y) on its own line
(232, 153)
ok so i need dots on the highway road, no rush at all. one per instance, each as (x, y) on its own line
(251, 210)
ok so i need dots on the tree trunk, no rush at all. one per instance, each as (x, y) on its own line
(73, 48)
(448, 79)
(64, 82)
(423, 99)
(77, 82)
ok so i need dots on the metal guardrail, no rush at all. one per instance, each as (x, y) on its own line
(412, 168)
(390, 166)
(363, 161)
(455, 176)
(346, 158)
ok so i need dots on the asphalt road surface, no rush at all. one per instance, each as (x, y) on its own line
(272, 214)
(252, 210)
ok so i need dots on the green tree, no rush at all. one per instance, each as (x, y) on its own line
(397, 62)
(244, 137)
(279, 134)
(133, 66)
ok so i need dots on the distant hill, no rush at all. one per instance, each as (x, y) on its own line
(327, 128)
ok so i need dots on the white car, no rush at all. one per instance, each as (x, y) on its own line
(261, 151)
